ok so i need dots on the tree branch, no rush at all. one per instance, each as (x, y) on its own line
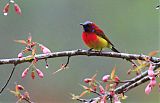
(143, 77)
(79, 53)
(8, 79)
(136, 81)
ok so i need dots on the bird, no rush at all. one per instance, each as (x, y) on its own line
(94, 37)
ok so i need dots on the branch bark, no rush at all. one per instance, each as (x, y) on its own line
(79, 53)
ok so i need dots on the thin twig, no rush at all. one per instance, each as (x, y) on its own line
(65, 65)
(95, 92)
(8, 79)
(27, 100)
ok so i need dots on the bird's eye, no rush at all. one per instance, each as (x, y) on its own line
(88, 25)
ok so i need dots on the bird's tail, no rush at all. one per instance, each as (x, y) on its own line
(115, 50)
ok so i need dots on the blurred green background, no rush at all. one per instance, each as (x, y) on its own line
(132, 26)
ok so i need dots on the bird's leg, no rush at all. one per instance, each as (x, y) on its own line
(100, 52)
(88, 53)
(90, 49)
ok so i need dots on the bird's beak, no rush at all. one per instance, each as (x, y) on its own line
(81, 24)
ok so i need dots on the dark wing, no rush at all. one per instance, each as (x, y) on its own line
(100, 33)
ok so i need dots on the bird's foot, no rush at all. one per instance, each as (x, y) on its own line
(100, 52)
(88, 52)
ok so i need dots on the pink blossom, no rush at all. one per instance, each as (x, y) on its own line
(148, 89)
(40, 73)
(20, 55)
(25, 72)
(105, 78)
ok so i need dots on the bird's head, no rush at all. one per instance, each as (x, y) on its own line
(87, 26)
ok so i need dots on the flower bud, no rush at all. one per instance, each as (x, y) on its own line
(44, 49)
(19, 87)
(150, 73)
(87, 80)
(25, 72)
(20, 55)
(112, 93)
(105, 78)
(148, 89)
(152, 82)
(102, 91)
(116, 79)
(40, 74)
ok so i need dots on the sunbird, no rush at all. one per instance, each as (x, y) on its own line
(95, 38)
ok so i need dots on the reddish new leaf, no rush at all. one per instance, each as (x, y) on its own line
(6, 9)
(153, 53)
(17, 9)
(21, 42)
(113, 73)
